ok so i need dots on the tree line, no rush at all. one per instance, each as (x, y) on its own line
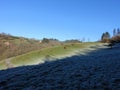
(107, 38)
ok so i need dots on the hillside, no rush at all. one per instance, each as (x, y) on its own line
(45, 54)
(98, 69)
(18, 51)
(11, 46)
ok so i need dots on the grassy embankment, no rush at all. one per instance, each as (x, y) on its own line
(2, 65)
(42, 55)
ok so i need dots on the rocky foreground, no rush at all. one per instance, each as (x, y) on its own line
(97, 70)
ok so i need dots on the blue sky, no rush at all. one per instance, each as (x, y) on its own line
(61, 19)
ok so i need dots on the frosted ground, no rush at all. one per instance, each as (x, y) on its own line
(97, 68)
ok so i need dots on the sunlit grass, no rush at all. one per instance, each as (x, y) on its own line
(2, 65)
(39, 56)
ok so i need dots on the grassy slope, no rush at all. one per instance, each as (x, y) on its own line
(38, 56)
(2, 65)
(11, 46)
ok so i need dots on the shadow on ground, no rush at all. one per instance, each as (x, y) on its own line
(97, 70)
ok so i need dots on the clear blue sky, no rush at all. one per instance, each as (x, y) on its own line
(61, 19)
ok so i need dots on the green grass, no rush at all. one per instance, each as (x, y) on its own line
(36, 57)
(2, 65)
